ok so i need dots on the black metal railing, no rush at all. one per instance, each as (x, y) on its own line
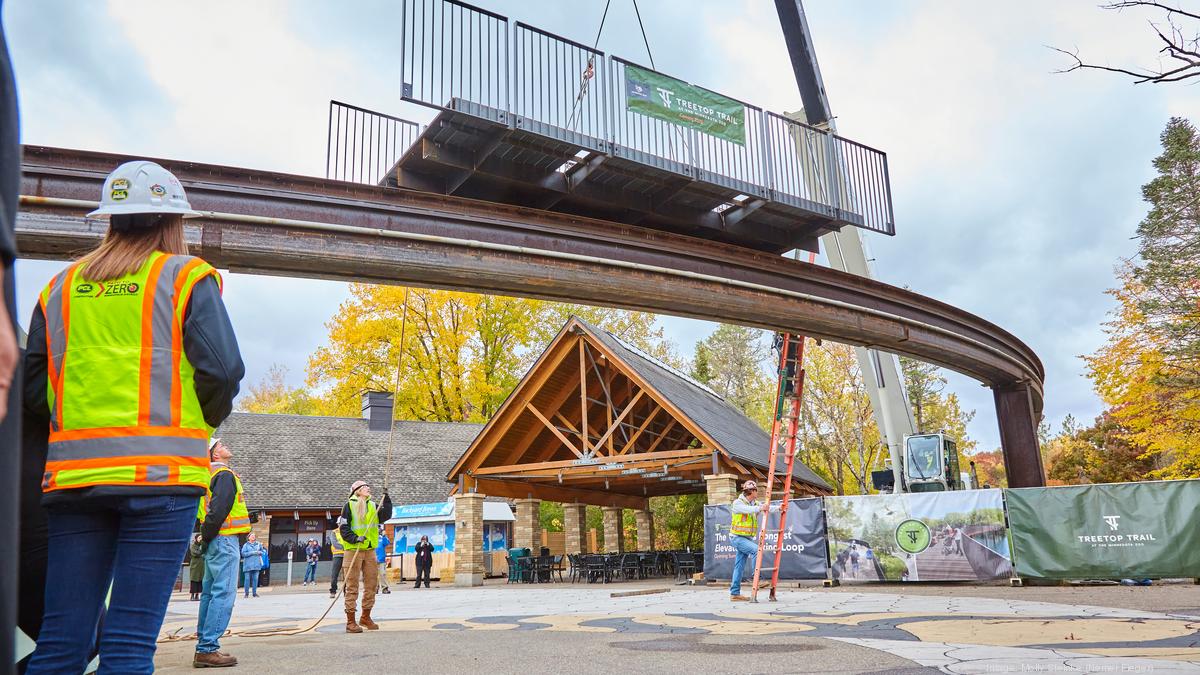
(465, 58)
(363, 145)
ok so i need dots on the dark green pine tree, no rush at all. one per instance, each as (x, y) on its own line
(1169, 251)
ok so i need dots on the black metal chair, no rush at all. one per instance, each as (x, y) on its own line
(543, 568)
(557, 566)
(595, 567)
(685, 565)
(630, 566)
(649, 564)
(574, 567)
(526, 569)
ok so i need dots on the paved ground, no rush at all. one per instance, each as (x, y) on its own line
(581, 629)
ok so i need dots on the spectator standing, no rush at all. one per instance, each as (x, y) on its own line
(196, 566)
(252, 553)
(381, 556)
(125, 470)
(312, 554)
(424, 560)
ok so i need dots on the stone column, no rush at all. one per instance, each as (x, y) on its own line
(575, 525)
(645, 530)
(722, 488)
(614, 532)
(527, 530)
(468, 539)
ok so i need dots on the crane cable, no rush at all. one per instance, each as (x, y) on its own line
(589, 71)
(387, 466)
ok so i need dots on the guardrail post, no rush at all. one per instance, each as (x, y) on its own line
(833, 174)
(767, 161)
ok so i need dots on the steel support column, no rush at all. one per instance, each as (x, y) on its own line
(1018, 436)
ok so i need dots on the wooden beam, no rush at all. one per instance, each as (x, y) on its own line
(555, 493)
(583, 399)
(640, 429)
(530, 407)
(660, 439)
(613, 427)
(598, 470)
(566, 464)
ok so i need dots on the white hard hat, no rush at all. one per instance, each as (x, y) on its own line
(142, 187)
(749, 485)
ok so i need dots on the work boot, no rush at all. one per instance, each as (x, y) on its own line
(387, 591)
(351, 625)
(213, 660)
(366, 621)
(738, 598)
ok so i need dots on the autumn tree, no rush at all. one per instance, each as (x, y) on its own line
(273, 395)
(1101, 453)
(1148, 371)
(733, 361)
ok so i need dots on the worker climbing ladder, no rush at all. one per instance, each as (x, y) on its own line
(787, 422)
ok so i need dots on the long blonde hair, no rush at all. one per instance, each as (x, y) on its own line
(130, 240)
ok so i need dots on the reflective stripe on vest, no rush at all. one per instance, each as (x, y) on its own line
(121, 392)
(238, 520)
(338, 545)
(744, 524)
(368, 528)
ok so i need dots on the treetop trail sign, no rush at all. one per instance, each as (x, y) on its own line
(675, 101)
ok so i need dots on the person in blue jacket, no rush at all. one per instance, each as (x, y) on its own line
(381, 557)
(252, 562)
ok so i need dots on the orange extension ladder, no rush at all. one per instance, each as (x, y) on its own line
(787, 422)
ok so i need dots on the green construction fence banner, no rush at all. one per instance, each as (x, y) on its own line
(665, 98)
(1110, 531)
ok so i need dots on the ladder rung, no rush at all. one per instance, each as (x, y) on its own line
(767, 569)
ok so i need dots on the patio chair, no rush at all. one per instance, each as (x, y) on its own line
(595, 567)
(557, 566)
(631, 566)
(685, 565)
(543, 567)
(574, 567)
(525, 569)
(649, 565)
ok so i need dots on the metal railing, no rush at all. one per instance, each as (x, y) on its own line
(363, 145)
(460, 57)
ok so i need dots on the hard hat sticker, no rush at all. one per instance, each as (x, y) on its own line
(118, 195)
(120, 184)
(158, 190)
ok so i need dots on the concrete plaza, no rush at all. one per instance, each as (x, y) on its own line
(581, 628)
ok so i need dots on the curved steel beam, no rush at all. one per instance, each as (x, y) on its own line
(286, 225)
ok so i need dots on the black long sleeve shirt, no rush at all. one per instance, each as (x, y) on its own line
(212, 349)
(384, 512)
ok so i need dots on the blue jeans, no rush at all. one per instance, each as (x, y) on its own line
(219, 592)
(746, 549)
(310, 573)
(250, 585)
(134, 544)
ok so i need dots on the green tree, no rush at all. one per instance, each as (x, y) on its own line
(924, 383)
(732, 361)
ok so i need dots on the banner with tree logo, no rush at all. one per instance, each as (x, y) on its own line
(665, 98)
(1107, 531)
(932, 536)
(803, 542)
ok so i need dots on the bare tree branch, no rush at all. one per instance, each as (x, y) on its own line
(1175, 46)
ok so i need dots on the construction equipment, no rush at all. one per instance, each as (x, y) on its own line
(930, 464)
(787, 422)
(844, 248)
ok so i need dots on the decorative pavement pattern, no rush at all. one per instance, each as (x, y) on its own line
(953, 634)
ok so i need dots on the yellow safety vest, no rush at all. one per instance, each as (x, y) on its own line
(238, 520)
(338, 545)
(368, 529)
(121, 391)
(744, 524)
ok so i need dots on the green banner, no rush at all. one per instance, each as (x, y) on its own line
(1113, 531)
(665, 98)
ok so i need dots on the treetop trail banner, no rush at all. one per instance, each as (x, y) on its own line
(1109, 531)
(803, 542)
(665, 98)
(929, 536)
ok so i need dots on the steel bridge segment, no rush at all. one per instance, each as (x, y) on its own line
(287, 225)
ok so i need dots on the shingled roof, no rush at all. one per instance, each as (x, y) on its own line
(304, 462)
(729, 427)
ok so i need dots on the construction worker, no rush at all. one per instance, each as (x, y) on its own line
(359, 527)
(743, 534)
(338, 548)
(224, 524)
(131, 363)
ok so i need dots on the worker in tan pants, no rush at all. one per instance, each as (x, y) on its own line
(359, 526)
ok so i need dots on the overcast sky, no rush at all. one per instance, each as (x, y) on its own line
(1016, 190)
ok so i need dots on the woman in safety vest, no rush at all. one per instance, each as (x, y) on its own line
(359, 527)
(132, 362)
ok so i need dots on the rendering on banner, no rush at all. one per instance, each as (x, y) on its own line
(803, 542)
(665, 98)
(932, 536)
(1110, 531)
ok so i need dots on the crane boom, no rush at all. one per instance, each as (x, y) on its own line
(844, 248)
